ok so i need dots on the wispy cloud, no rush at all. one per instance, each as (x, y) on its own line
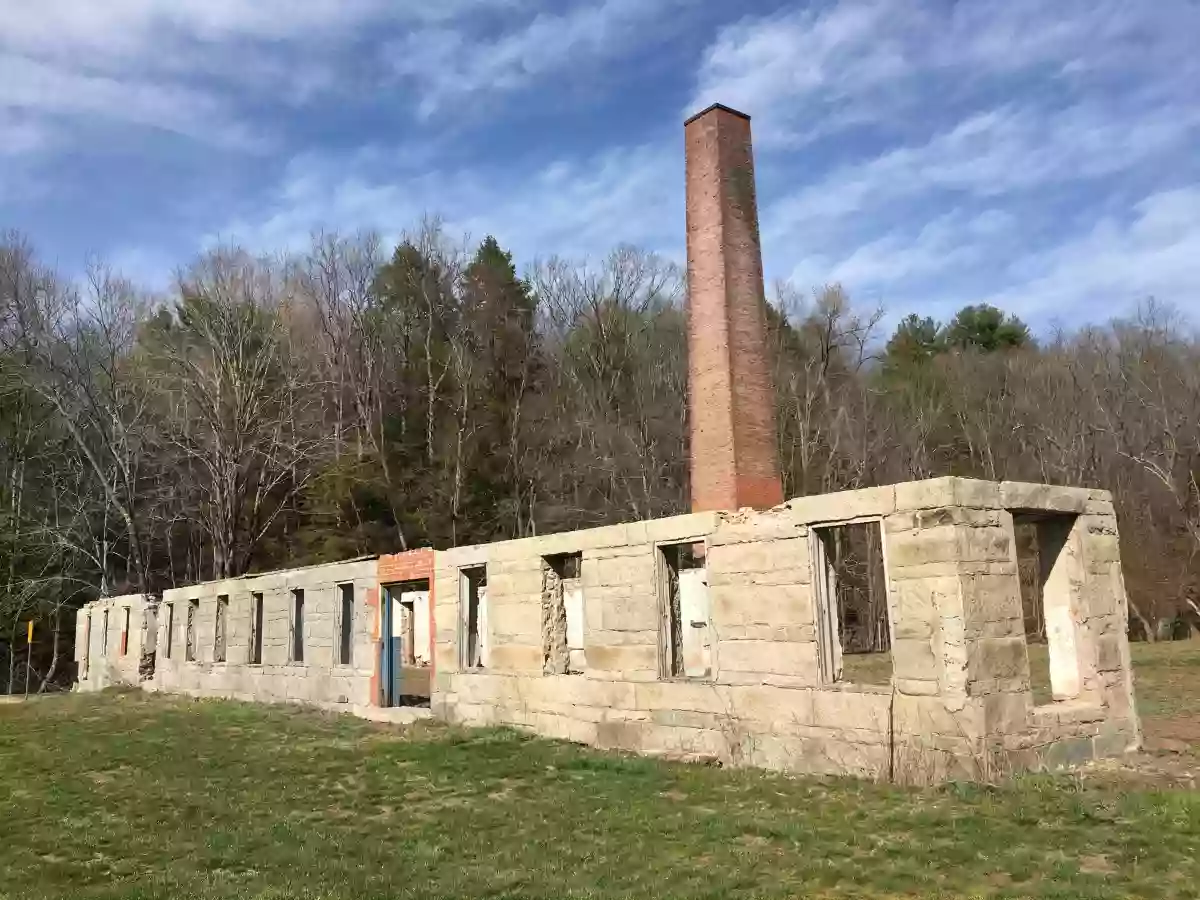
(452, 63)
(816, 69)
(193, 67)
(573, 207)
(1151, 250)
(900, 129)
(926, 154)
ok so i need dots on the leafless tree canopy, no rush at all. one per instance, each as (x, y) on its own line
(356, 398)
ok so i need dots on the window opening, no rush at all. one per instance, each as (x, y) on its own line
(189, 646)
(687, 632)
(473, 597)
(562, 614)
(219, 628)
(297, 648)
(1047, 570)
(256, 629)
(853, 629)
(346, 632)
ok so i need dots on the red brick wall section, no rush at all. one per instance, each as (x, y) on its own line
(411, 565)
(734, 452)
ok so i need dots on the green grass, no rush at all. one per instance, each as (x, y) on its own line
(141, 796)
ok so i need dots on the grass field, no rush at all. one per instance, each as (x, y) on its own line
(139, 796)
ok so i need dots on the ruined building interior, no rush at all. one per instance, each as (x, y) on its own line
(947, 628)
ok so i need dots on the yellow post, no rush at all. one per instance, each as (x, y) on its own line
(28, 654)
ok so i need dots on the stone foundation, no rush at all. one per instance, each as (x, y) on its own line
(761, 613)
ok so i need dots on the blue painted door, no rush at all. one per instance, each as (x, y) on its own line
(391, 648)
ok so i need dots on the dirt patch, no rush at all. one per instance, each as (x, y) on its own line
(1181, 728)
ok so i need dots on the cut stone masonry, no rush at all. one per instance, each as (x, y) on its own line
(958, 704)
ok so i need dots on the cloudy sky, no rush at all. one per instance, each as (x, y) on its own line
(925, 153)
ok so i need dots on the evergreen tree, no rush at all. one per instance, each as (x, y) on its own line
(987, 329)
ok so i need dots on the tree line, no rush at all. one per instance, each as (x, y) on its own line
(355, 399)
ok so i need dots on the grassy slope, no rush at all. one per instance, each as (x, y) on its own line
(128, 795)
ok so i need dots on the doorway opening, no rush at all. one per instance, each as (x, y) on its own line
(405, 651)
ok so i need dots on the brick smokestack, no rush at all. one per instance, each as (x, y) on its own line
(735, 458)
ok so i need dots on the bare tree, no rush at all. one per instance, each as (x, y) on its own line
(237, 402)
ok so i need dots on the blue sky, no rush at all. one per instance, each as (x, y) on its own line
(925, 153)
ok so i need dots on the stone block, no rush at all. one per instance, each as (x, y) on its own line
(931, 545)
(777, 657)
(986, 544)
(917, 604)
(998, 658)
(762, 605)
(1068, 752)
(917, 715)
(682, 742)
(991, 598)
(525, 583)
(1021, 495)
(900, 522)
(843, 505)
(619, 735)
(508, 620)
(515, 658)
(1108, 652)
(842, 709)
(781, 576)
(772, 707)
(636, 657)
(1113, 741)
(801, 680)
(914, 660)
(767, 526)
(1007, 712)
(692, 696)
(932, 492)
(696, 526)
(789, 633)
(686, 718)
(758, 556)
(955, 515)
(627, 610)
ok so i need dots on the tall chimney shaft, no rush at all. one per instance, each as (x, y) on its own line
(734, 453)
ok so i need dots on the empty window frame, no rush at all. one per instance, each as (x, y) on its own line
(189, 635)
(256, 629)
(562, 614)
(854, 635)
(170, 630)
(345, 649)
(87, 643)
(220, 628)
(1047, 564)
(686, 639)
(104, 635)
(296, 651)
(472, 587)
(124, 630)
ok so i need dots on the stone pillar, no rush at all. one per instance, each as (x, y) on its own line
(734, 453)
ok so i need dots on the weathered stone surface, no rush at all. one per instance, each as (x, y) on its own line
(939, 544)
(998, 658)
(776, 657)
(958, 700)
(1020, 495)
(823, 508)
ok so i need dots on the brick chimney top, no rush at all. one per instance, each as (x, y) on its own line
(731, 402)
(722, 107)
